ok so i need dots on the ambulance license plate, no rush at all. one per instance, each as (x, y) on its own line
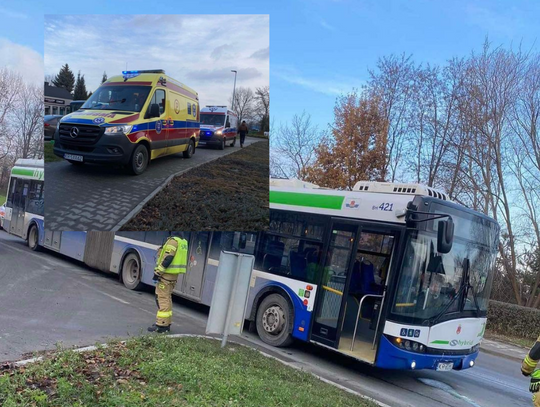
(73, 157)
(445, 367)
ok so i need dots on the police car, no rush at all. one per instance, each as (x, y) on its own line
(218, 126)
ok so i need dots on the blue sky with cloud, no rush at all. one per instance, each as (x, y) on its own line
(198, 50)
(321, 48)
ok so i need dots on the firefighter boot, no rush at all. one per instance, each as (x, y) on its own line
(159, 329)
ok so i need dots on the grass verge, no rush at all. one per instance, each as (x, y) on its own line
(49, 155)
(230, 193)
(512, 340)
(154, 370)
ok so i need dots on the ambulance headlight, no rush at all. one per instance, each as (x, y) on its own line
(115, 130)
(219, 133)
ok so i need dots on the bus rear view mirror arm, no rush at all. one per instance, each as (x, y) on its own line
(445, 228)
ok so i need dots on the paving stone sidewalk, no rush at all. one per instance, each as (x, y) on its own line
(503, 349)
(93, 197)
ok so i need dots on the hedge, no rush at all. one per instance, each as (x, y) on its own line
(514, 320)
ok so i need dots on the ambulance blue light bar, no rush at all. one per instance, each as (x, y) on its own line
(132, 74)
(144, 71)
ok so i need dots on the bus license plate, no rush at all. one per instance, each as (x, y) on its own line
(73, 157)
(445, 367)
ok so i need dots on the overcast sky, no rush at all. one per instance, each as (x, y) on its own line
(197, 50)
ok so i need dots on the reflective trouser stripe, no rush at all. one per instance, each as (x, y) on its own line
(164, 314)
(529, 362)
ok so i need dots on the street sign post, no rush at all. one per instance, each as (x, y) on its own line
(228, 307)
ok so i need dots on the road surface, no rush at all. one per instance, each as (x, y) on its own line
(46, 298)
(94, 197)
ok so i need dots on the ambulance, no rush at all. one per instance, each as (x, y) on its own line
(218, 126)
(130, 120)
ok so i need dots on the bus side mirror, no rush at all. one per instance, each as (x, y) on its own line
(154, 110)
(445, 235)
(243, 241)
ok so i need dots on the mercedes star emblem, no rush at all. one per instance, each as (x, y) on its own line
(74, 132)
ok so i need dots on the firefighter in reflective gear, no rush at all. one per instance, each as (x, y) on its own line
(171, 261)
(528, 368)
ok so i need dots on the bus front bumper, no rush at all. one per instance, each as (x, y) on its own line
(390, 356)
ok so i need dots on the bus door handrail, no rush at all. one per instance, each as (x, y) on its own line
(358, 316)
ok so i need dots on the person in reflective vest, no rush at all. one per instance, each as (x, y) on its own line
(171, 261)
(528, 368)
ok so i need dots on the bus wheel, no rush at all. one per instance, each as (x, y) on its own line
(273, 321)
(139, 160)
(132, 272)
(33, 238)
(222, 145)
(190, 150)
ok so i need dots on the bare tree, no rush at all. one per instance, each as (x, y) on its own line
(393, 84)
(293, 146)
(10, 85)
(244, 101)
(262, 107)
(28, 122)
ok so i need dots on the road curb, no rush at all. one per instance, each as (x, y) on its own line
(501, 354)
(339, 386)
(141, 204)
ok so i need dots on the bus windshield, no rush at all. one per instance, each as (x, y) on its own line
(428, 286)
(213, 119)
(118, 97)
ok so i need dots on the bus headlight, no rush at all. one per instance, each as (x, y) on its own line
(115, 130)
(408, 345)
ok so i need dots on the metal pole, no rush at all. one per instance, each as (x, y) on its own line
(234, 89)
(231, 300)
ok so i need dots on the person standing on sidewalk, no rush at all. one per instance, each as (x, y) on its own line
(528, 368)
(243, 130)
(171, 261)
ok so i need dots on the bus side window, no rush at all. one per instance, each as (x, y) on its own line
(35, 198)
(11, 192)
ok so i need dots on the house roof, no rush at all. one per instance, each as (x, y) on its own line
(54, 92)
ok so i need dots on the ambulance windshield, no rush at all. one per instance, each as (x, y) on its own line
(213, 119)
(118, 97)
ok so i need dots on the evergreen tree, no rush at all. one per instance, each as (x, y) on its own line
(104, 77)
(65, 79)
(80, 88)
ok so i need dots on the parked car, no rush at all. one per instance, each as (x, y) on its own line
(50, 122)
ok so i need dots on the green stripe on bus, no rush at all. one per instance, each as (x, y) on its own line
(441, 342)
(34, 173)
(311, 200)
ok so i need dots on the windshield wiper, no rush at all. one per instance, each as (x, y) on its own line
(470, 287)
(464, 285)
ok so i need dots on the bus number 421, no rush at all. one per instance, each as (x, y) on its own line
(385, 206)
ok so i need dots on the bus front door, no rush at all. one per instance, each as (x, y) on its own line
(331, 298)
(192, 281)
(18, 211)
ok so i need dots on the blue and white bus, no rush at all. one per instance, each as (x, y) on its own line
(394, 275)
(22, 213)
